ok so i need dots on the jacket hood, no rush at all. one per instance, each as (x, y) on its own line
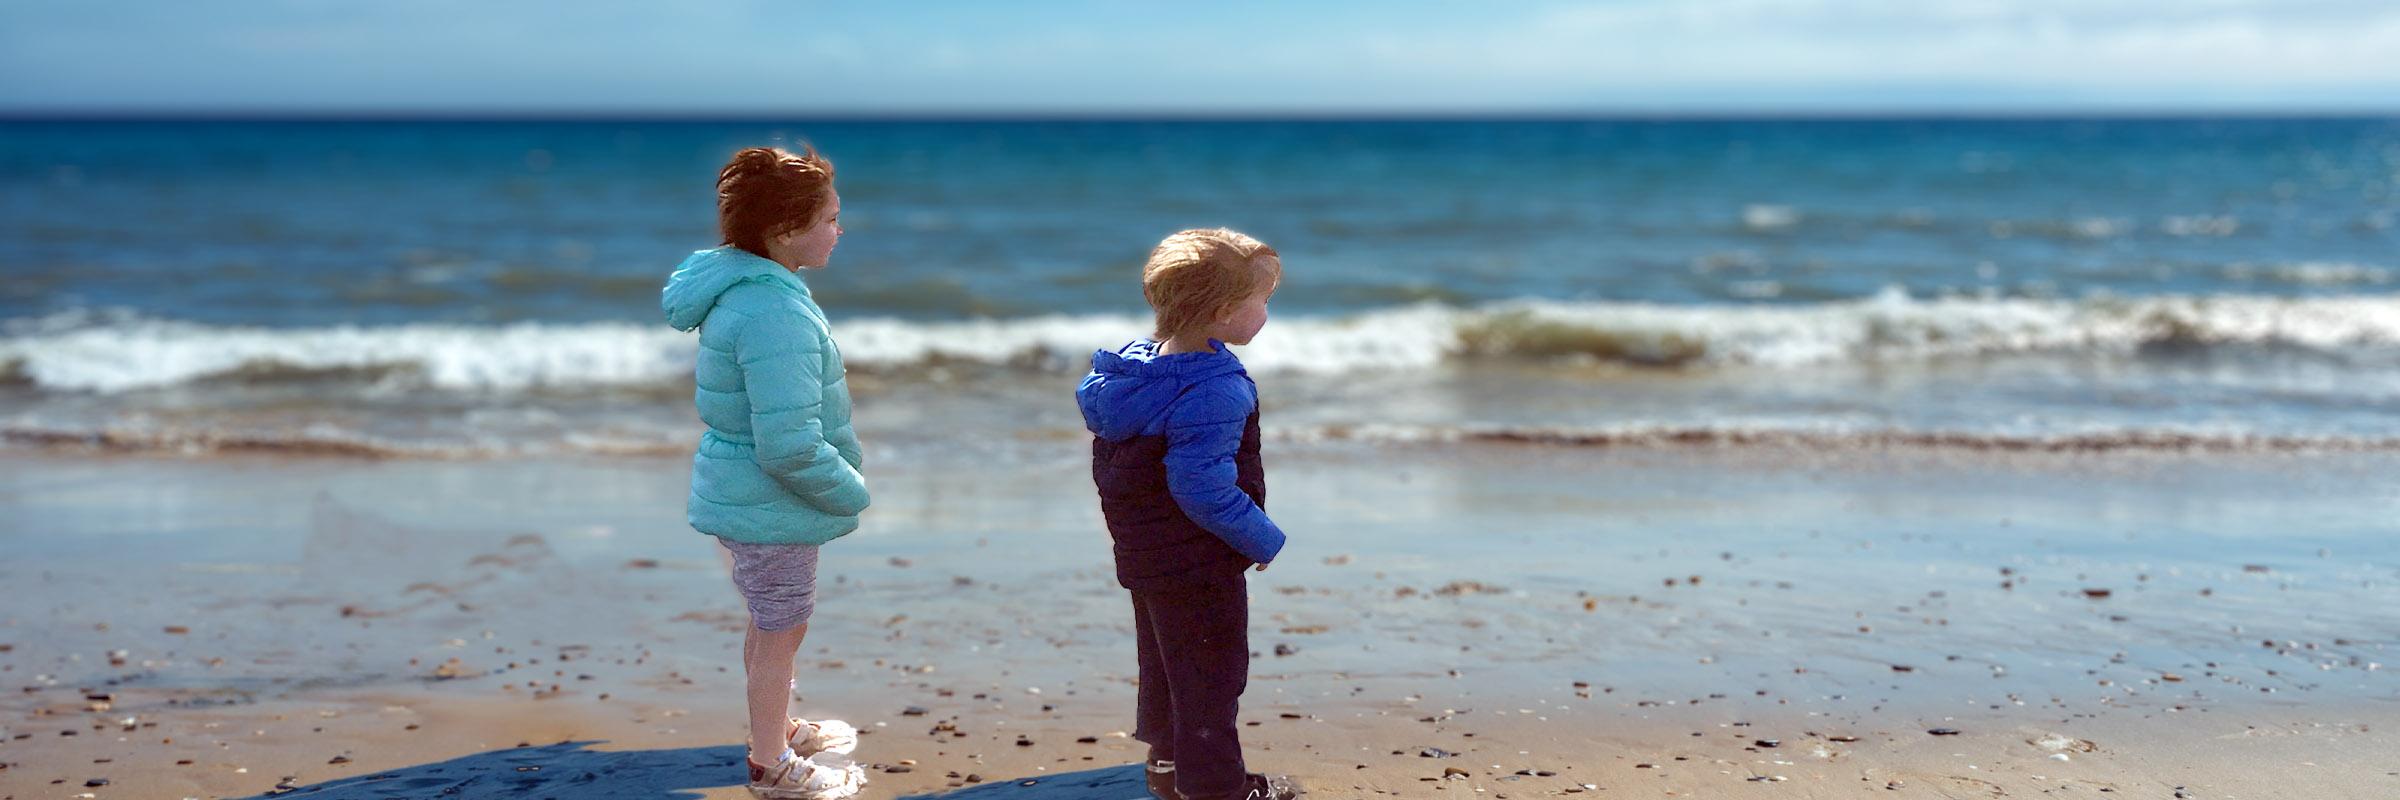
(1129, 389)
(697, 283)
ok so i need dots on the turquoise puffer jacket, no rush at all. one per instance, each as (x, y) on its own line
(779, 463)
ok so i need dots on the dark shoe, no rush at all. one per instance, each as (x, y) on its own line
(1271, 787)
(1162, 779)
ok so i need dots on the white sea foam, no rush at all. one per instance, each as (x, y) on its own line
(2311, 273)
(1767, 218)
(122, 354)
(139, 354)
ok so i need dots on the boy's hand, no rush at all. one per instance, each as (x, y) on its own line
(1260, 568)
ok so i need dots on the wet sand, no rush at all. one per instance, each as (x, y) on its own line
(1507, 620)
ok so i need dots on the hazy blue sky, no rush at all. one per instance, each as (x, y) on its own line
(1392, 55)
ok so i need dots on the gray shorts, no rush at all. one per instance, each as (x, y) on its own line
(778, 581)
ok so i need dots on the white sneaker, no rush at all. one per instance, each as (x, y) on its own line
(823, 736)
(826, 776)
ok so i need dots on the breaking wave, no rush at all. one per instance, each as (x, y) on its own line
(89, 353)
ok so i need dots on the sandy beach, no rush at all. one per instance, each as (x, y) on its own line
(1487, 619)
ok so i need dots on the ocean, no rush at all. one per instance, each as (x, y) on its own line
(445, 288)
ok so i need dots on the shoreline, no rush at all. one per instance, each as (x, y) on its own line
(55, 442)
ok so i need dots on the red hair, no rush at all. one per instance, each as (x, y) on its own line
(767, 191)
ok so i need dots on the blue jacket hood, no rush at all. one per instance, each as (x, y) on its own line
(1128, 390)
(697, 283)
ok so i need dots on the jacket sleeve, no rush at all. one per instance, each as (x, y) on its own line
(845, 440)
(781, 354)
(1204, 432)
(851, 451)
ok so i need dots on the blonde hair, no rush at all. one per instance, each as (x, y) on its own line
(1194, 275)
(764, 192)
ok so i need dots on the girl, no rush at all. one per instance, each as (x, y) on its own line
(777, 472)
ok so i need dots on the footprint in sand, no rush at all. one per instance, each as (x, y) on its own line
(1977, 785)
(2061, 743)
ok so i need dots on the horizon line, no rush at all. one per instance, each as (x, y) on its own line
(969, 115)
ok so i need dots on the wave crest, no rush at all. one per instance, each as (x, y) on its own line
(120, 354)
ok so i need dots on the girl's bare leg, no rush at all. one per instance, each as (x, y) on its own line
(767, 660)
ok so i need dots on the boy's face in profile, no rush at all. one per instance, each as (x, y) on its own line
(1243, 321)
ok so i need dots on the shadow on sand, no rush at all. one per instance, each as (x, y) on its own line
(1112, 783)
(574, 771)
(567, 771)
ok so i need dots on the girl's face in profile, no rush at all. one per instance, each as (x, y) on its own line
(811, 245)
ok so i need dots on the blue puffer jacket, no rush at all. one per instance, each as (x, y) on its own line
(779, 463)
(1175, 457)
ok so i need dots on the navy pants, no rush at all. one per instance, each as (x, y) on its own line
(1194, 646)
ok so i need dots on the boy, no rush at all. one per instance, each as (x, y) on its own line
(1175, 457)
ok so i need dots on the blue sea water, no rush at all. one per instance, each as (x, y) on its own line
(453, 282)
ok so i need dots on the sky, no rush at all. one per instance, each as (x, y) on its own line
(788, 57)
